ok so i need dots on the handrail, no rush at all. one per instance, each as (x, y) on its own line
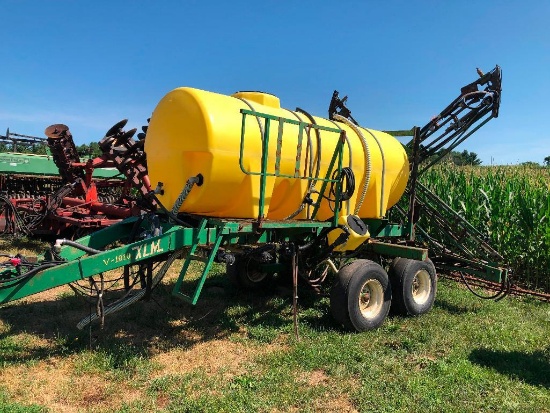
(330, 177)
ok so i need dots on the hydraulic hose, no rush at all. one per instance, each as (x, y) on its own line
(60, 242)
(367, 158)
(350, 156)
(382, 189)
(111, 309)
(10, 282)
(130, 298)
(349, 179)
(309, 159)
(247, 103)
(194, 180)
(318, 136)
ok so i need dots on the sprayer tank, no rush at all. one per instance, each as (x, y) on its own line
(195, 132)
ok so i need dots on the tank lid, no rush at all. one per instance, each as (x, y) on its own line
(262, 98)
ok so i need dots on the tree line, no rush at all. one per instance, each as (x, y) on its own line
(92, 150)
(85, 151)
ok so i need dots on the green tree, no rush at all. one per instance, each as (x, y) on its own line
(38, 149)
(83, 150)
(530, 164)
(95, 150)
(90, 150)
(547, 161)
(463, 158)
(466, 158)
(459, 158)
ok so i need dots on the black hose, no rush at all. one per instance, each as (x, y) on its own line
(135, 228)
(16, 280)
(81, 247)
(500, 294)
(312, 179)
(316, 240)
(170, 215)
(347, 191)
(194, 180)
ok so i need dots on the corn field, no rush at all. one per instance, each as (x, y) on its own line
(511, 206)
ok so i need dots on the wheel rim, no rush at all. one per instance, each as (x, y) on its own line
(421, 287)
(371, 298)
(253, 273)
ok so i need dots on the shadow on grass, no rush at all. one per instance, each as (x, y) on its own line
(531, 368)
(453, 308)
(162, 323)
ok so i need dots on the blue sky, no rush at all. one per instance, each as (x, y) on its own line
(90, 64)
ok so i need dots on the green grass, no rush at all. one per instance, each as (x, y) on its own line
(235, 352)
(119, 361)
(8, 407)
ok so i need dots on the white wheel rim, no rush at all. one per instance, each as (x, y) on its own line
(421, 287)
(371, 298)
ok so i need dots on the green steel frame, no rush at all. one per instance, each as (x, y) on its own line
(211, 233)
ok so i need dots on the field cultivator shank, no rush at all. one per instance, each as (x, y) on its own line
(377, 262)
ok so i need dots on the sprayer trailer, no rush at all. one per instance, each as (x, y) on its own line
(280, 194)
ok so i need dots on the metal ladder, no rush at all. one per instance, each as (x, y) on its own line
(208, 261)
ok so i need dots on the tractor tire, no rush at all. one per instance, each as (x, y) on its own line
(361, 296)
(414, 286)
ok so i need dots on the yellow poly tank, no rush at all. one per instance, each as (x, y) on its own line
(193, 131)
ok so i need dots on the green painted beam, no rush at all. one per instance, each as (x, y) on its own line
(490, 273)
(90, 265)
(382, 228)
(394, 250)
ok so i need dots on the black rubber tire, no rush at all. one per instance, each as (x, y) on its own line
(338, 295)
(244, 273)
(348, 293)
(407, 275)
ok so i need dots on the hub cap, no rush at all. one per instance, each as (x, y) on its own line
(421, 287)
(371, 298)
